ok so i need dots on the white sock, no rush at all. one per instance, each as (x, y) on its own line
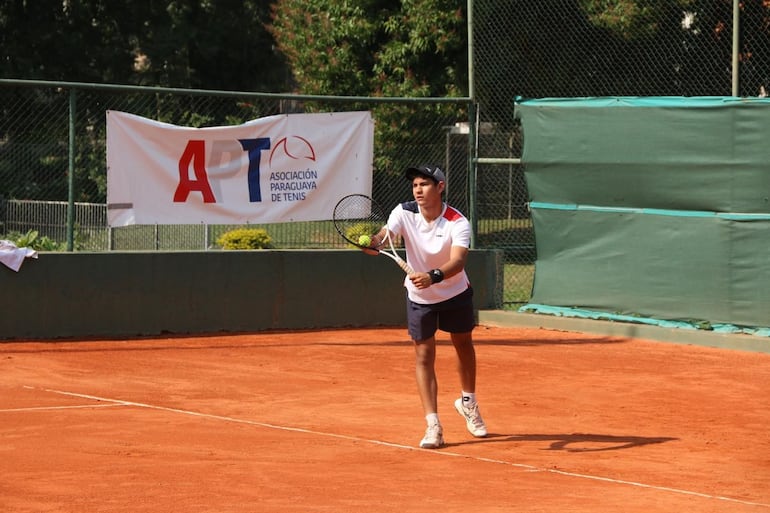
(432, 418)
(469, 399)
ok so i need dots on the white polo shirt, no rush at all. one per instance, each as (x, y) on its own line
(428, 246)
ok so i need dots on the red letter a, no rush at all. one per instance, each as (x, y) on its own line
(195, 152)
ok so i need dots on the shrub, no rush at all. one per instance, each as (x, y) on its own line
(364, 228)
(245, 238)
(32, 240)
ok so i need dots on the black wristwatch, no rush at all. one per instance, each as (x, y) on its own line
(436, 276)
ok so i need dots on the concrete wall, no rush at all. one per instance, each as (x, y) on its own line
(146, 293)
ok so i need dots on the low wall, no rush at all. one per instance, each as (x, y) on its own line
(146, 293)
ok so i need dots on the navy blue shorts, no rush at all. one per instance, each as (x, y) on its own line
(454, 315)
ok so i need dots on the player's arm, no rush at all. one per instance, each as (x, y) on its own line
(385, 234)
(378, 237)
(458, 255)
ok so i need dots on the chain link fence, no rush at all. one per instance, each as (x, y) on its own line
(584, 48)
(550, 48)
(35, 153)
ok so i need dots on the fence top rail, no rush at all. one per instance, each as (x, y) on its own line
(12, 201)
(209, 92)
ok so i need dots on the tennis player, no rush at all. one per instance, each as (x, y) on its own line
(439, 294)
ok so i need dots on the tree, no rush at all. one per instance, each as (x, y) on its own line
(391, 48)
(374, 47)
(179, 43)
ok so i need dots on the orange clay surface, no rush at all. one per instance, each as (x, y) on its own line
(328, 421)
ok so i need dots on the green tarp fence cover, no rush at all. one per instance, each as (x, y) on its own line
(651, 209)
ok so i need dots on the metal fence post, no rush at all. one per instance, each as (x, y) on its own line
(71, 172)
(472, 150)
(736, 47)
(473, 129)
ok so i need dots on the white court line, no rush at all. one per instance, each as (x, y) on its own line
(48, 408)
(530, 468)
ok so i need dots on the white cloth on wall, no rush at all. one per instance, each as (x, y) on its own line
(13, 256)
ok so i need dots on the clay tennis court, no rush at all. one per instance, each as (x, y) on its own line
(329, 420)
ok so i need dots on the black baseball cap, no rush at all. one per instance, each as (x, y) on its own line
(427, 170)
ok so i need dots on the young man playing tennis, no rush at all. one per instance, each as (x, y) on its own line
(439, 295)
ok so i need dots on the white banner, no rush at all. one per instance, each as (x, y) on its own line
(292, 167)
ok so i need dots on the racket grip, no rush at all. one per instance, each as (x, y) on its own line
(403, 265)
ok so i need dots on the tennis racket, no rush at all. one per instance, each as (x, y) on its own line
(356, 215)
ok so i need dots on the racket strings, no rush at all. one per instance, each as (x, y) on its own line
(357, 215)
(355, 211)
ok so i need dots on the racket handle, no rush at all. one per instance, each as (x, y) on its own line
(403, 265)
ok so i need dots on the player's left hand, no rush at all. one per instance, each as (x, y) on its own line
(421, 280)
(374, 241)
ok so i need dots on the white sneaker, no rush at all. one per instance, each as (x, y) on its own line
(472, 417)
(434, 437)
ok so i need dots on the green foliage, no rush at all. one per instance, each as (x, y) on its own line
(380, 48)
(373, 47)
(355, 231)
(632, 19)
(32, 240)
(192, 43)
(186, 44)
(329, 45)
(245, 238)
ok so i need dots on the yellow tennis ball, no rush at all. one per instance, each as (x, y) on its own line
(364, 240)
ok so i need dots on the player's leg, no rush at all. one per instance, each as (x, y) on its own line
(425, 371)
(466, 405)
(466, 360)
(427, 386)
(459, 320)
(422, 322)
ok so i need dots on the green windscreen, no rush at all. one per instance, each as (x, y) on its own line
(651, 207)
